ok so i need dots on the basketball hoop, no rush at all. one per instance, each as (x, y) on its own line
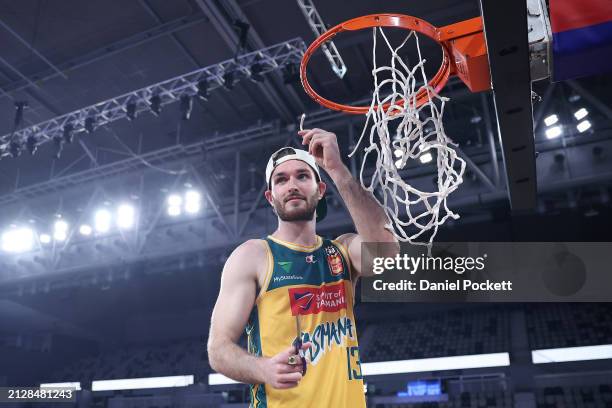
(412, 212)
(463, 46)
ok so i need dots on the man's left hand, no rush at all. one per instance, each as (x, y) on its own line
(323, 146)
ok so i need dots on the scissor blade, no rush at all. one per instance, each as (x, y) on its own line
(297, 325)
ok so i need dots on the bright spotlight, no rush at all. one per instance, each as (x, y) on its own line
(192, 195)
(125, 216)
(425, 158)
(175, 200)
(192, 201)
(583, 126)
(18, 240)
(174, 205)
(581, 113)
(7, 239)
(60, 230)
(102, 220)
(553, 132)
(551, 120)
(45, 238)
(85, 230)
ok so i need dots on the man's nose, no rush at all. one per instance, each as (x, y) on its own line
(292, 184)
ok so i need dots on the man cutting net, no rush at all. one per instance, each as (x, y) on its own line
(294, 280)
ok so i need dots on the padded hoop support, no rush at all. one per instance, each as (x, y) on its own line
(455, 60)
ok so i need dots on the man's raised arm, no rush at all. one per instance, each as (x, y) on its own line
(368, 216)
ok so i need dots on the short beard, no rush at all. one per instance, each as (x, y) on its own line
(305, 214)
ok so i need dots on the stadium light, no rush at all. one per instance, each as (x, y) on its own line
(18, 240)
(551, 120)
(125, 216)
(583, 126)
(174, 205)
(60, 230)
(102, 220)
(581, 113)
(74, 385)
(45, 238)
(193, 201)
(220, 379)
(436, 364)
(553, 132)
(425, 158)
(85, 229)
(565, 354)
(142, 383)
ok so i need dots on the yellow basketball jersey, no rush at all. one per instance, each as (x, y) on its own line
(314, 283)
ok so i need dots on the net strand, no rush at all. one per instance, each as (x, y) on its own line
(413, 215)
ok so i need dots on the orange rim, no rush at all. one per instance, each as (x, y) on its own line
(379, 20)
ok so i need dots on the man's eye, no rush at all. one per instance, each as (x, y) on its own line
(302, 176)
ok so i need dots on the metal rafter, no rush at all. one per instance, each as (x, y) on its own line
(254, 42)
(592, 99)
(174, 154)
(169, 91)
(318, 27)
(184, 50)
(226, 31)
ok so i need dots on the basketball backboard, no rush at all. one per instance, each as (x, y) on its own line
(518, 43)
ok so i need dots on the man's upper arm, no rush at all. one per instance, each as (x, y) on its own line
(352, 243)
(238, 291)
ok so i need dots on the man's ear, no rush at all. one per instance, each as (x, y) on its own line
(322, 189)
(268, 195)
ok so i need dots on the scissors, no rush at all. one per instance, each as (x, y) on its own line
(297, 344)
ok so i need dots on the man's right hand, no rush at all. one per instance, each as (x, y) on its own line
(278, 373)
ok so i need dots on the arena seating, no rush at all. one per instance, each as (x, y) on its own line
(179, 358)
(568, 324)
(579, 396)
(437, 335)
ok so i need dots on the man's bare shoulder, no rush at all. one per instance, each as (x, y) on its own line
(250, 257)
(250, 248)
(346, 239)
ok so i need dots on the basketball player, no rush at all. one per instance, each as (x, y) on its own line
(295, 280)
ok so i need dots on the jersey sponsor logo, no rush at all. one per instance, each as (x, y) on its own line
(327, 335)
(287, 277)
(303, 301)
(286, 265)
(310, 259)
(334, 260)
(312, 300)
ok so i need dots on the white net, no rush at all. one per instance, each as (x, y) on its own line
(404, 134)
